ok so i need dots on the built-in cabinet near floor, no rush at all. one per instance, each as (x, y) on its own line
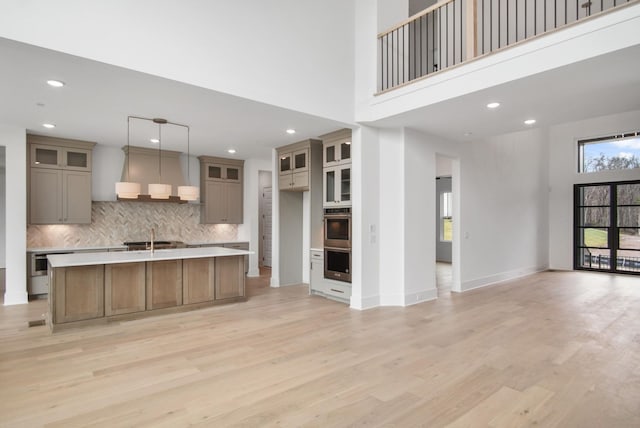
(198, 276)
(124, 288)
(164, 284)
(59, 180)
(222, 192)
(79, 293)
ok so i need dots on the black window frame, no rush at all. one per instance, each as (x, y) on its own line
(613, 228)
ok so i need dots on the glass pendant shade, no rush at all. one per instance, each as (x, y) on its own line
(188, 193)
(159, 191)
(127, 190)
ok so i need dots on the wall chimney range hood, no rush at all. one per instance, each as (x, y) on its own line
(142, 165)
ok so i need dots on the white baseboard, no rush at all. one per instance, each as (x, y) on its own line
(501, 277)
(364, 303)
(409, 299)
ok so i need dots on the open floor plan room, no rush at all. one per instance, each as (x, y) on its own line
(552, 349)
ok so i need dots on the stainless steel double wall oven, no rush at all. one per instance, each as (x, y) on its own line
(337, 244)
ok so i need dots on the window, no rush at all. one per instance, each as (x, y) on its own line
(446, 208)
(607, 227)
(615, 152)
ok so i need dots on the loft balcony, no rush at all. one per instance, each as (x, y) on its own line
(455, 32)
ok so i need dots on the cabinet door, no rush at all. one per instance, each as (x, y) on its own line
(233, 199)
(215, 172)
(76, 159)
(233, 173)
(329, 186)
(316, 279)
(285, 182)
(45, 196)
(345, 151)
(45, 156)
(198, 280)
(285, 163)
(300, 181)
(76, 197)
(215, 209)
(229, 277)
(300, 160)
(164, 284)
(78, 292)
(124, 288)
(344, 183)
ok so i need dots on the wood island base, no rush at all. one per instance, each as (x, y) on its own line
(102, 293)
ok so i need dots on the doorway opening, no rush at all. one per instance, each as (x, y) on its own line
(607, 227)
(447, 232)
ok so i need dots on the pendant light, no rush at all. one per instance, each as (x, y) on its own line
(188, 192)
(159, 190)
(128, 189)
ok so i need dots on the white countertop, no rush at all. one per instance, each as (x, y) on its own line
(216, 242)
(106, 258)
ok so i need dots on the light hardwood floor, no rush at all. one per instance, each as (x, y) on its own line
(556, 349)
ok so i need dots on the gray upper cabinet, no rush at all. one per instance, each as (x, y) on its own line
(336, 148)
(294, 166)
(59, 180)
(222, 190)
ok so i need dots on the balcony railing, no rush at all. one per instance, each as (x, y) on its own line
(454, 31)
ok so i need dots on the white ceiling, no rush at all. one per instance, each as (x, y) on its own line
(603, 85)
(97, 98)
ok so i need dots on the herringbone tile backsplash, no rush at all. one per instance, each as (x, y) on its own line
(113, 223)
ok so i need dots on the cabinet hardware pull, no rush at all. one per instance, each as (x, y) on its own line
(337, 291)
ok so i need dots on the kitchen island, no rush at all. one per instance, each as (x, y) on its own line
(93, 288)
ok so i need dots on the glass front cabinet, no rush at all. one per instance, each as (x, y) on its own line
(336, 161)
(337, 186)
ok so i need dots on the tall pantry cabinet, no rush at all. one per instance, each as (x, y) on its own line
(59, 180)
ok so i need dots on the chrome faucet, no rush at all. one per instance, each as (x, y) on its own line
(153, 238)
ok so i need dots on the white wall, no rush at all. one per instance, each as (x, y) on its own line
(616, 30)
(3, 209)
(290, 53)
(504, 207)
(365, 280)
(15, 142)
(563, 174)
(391, 12)
(250, 229)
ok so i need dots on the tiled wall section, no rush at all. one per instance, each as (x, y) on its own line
(113, 223)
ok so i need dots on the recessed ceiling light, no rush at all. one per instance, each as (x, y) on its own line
(154, 140)
(291, 131)
(48, 125)
(493, 105)
(529, 121)
(232, 151)
(55, 83)
(468, 134)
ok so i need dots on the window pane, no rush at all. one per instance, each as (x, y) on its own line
(233, 173)
(629, 194)
(614, 153)
(628, 261)
(594, 259)
(285, 163)
(595, 195)
(215, 172)
(629, 238)
(594, 217)
(628, 216)
(345, 185)
(301, 160)
(596, 238)
(447, 229)
(77, 159)
(330, 153)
